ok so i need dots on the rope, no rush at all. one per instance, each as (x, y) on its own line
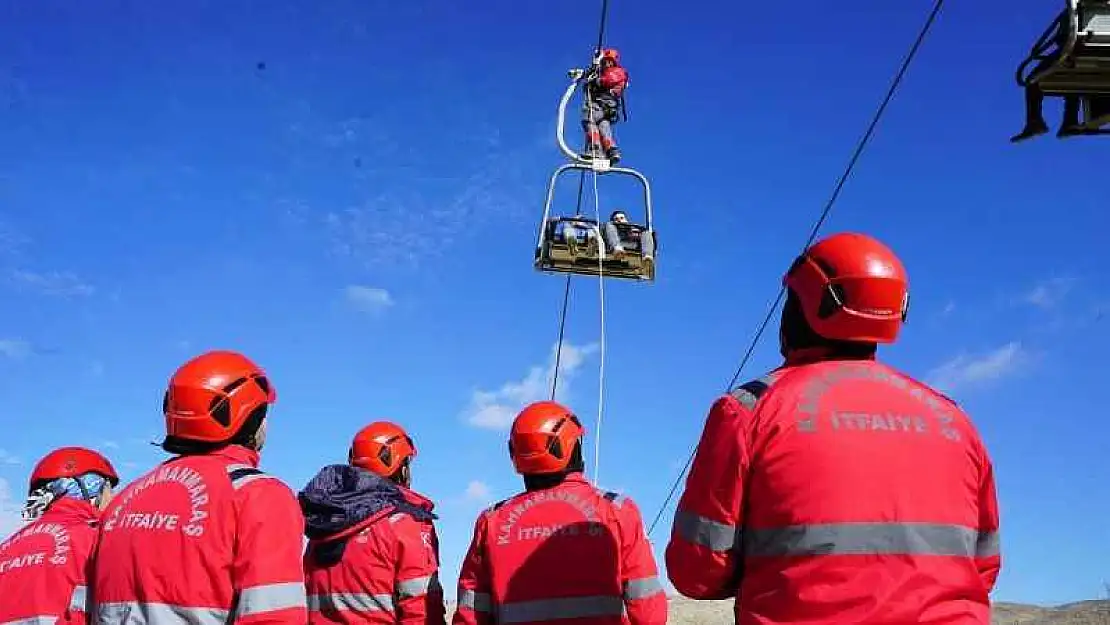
(601, 356)
(559, 345)
(860, 147)
(601, 28)
(566, 300)
(577, 213)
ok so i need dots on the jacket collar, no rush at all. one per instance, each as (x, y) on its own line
(237, 454)
(575, 478)
(68, 509)
(416, 498)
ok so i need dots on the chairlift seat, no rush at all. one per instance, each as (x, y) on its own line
(555, 256)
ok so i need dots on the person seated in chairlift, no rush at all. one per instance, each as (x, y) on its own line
(617, 231)
(567, 231)
(1034, 116)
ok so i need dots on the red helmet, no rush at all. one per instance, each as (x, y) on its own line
(543, 437)
(612, 55)
(71, 462)
(382, 448)
(210, 397)
(851, 287)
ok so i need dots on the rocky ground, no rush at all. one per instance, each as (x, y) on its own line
(685, 612)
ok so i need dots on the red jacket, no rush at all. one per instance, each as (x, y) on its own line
(204, 538)
(45, 566)
(387, 573)
(566, 552)
(839, 491)
(613, 80)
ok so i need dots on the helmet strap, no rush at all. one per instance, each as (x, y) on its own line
(403, 475)
(249, 434)
(84, 490)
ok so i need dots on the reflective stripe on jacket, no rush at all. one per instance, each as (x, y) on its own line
(567, 552)
(203, 539)
(44, 565)
(839, 491)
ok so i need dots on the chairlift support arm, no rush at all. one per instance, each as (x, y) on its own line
(560, 136)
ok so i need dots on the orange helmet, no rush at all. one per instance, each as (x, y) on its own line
(71, 462)
(543, 437)
(382, 448)
(851, 287)
(612, 55)
(210, 397)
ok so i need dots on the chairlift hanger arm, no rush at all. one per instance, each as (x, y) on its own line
(560, 135)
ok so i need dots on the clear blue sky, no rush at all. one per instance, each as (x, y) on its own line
(360, 217)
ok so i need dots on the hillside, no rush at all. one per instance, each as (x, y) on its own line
(686, 612)
(1080, 613)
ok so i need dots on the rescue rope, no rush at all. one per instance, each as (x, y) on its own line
(566, 299)
(601, 340)
(860, 147)
(601, 282)
(577, 213)
(601, 28)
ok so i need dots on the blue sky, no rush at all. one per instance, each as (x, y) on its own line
(359, 216)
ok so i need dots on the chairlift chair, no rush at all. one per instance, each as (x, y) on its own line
(590, 256)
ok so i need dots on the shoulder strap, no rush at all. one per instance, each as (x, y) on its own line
(495, 506)
(950, 400)
(748, 394)
(616, 499)
(241, 475)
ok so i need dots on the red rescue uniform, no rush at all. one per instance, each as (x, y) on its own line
(567, 552)
(204, 539)
(388, 573)
(839, 491)
(612, 80)
(45, 565)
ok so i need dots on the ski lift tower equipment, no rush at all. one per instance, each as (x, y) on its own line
(575, 244)
(1072, 58)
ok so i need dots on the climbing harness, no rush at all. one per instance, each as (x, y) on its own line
(861, 145)
(1071, 58)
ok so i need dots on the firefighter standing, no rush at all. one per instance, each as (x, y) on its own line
(562, 549)
(43, 566)
(206, 537)
(837, 489)
(601, 104)
(373, 553)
